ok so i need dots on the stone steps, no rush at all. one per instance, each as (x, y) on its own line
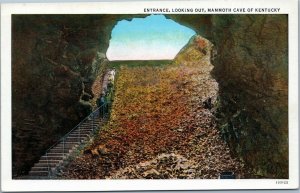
(59, 150)
(45, 164)
(53, 161)
(38, 173)
(78, 135)
(81, 131)
(39, 169)
(55, 154)
(75, 139)
(48, 158)
(90, 124)
(88, 127)
(67, 145)
(55, 157)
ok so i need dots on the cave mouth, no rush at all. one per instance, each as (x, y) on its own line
(158, 110)
(60, 52)
(151, 38)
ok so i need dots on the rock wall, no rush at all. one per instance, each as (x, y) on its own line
(55, 59)
(251, 67)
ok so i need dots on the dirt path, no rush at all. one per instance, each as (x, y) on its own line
(161, 126)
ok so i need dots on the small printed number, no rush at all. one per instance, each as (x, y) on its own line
(282, 182)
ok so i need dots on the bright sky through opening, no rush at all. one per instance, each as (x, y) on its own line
(150, 38)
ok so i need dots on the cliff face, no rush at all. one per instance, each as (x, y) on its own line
(193, 51)
(251, 67)
(56, 58)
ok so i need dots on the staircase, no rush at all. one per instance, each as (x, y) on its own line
(55, 157)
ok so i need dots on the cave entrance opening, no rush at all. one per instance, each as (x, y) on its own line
(151, 38)
(157, 110)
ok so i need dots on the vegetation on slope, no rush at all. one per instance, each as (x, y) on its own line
(160, 114)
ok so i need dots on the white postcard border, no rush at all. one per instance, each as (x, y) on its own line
(288, 7)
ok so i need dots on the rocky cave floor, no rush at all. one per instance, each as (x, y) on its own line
(161, 127)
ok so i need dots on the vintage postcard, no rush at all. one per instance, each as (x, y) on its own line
(149, 95)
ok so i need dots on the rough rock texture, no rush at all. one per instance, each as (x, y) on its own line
(194, 51)
(163, 166)
(251, 67)
(55, 59)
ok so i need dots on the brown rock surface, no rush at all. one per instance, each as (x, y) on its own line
(251, 67)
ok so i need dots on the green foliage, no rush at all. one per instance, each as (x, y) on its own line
(139, 63)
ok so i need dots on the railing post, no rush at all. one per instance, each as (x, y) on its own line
(48, 165)
(99, 112)
(79, 133)
(107, 109)
(102, 110)
(63, 147)
(92, 123)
